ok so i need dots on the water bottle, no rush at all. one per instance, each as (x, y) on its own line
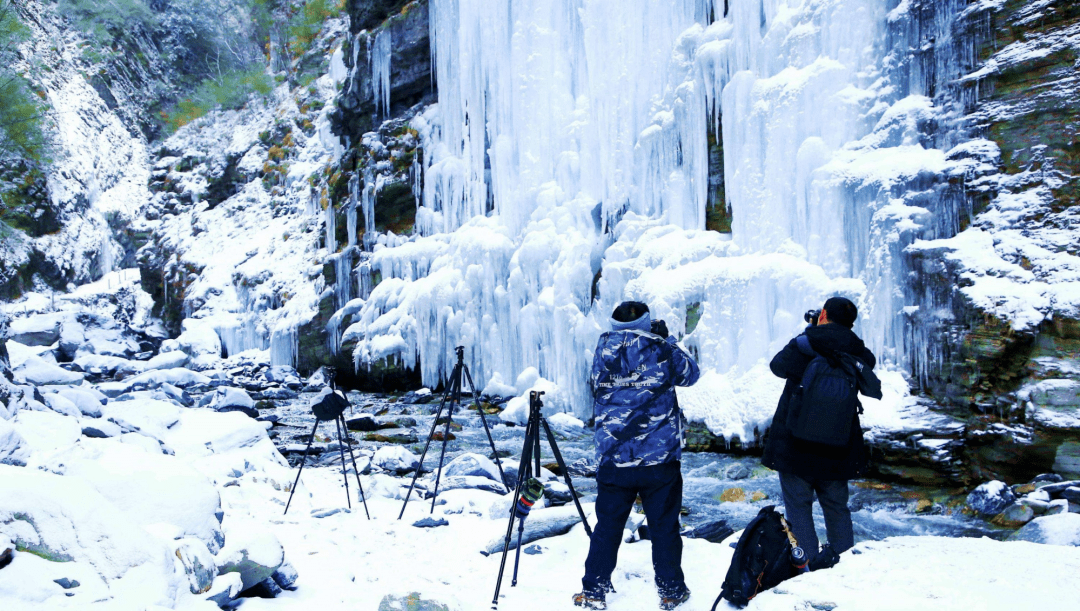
(798, 560)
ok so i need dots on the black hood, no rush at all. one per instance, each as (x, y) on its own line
(835, 338)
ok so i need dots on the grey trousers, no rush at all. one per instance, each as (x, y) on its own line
(832, 495)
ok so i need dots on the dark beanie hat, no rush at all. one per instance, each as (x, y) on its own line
(629, 311)
(841, 311)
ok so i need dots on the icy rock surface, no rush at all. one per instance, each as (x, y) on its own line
(1058, 529)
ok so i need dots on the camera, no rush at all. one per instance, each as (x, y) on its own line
(659, 327)
(812, 317)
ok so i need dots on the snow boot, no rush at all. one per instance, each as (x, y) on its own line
(825, 559)
(590, 600)
(671, 602)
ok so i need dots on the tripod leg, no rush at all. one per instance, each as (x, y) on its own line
(356, 471)
(523, 476)
(455, 399)
(517, 551)
(344, 473)
(423, 454)
(566, 474)
(487, 429)
(303, 459)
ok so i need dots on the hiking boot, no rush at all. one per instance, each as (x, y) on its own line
(668, 603)
(590, 600)
(825, 559)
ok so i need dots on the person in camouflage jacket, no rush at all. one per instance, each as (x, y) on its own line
(638, 433)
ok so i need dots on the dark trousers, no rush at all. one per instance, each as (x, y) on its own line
(660, 488)
(832, 495)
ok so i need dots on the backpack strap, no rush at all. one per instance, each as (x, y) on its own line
(803, 343)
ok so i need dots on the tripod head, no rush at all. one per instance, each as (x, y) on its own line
(534, 398)
(460, 350)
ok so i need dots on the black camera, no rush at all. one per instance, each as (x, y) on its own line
(659, 327)
(812, 317)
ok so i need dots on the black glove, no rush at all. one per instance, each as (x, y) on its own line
(659, 327)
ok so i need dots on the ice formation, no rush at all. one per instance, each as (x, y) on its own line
(566, 168)
(380, 70)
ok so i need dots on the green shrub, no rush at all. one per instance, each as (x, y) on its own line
(229, 91)
(21, 108)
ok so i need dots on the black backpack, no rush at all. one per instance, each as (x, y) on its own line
(762, 558)
(823, 407)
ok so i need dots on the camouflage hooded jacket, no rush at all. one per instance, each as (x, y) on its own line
(634, 375)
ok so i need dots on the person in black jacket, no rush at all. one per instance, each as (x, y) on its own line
(807, 468)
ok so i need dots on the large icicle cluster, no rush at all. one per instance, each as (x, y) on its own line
(566, 169)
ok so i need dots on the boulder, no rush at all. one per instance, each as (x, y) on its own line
(737, 471)
(1057, 529)
(62, 405)
(229, 399)
(396, 459)
(1014, 516)
(1071, 494)
(198, 563)
(991, 498)
(167, 360)
(99, 428)
(1067, 460)
(285, 576)
(1058, 506)
(88, 401)
(473, 465)
(558, 493)
(225, 589)
(198, 339)
(541, 524)
(363, 424)
(430, 522)
(41, 330)
(13, 450)
(713, 532)
(7, 550)
(252, 553)
(39, 372)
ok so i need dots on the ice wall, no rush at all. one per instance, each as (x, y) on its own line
(566, 167)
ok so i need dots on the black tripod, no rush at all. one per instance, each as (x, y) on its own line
(530, 466)
(331, 406)
(451, 399)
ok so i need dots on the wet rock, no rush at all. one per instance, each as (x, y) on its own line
(1067, 460)
(733, 495)
(1057, 506)
(1014, 516)
(713, 532)
(7, 551)
(198, 563)
(558, 493)
(410, 602)
(362, 424)
(737, 471)
(1058, 529)
(430, 522)
(1071, 494)
(275, 394)
(399, 436)
(991, 498)
(413, 397)
(1056, 489)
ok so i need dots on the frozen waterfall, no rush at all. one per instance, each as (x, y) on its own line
(566, 169)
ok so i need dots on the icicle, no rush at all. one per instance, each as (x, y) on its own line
(379, 56)
(331, 229)
(350, 211)
(368, 207)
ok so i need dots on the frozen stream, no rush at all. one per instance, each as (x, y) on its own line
(716, 486)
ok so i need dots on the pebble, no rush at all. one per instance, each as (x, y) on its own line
(430, 522)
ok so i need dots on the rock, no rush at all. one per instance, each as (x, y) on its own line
(362, 424)
(473, 465)
(100, 429)
(198, 563)
(991, 498)
(230, 399)
(275, 394)
(737, 471)
(1051, 478)
(253, 554)
(567, 424)
(7, 551)
(733, 495)
(582, 467)
(199, 338)
(713, 532)
(414, 397)
(400, 436)
(13, 448)
(88, 402)
(326, 513)
(1014, 516)
(468, 482)
(430, 522)
(1039, 507)
(1058, 488)
(1058, 506)
(179, 377)
(266, 588)
(1057, 529)
(39, 372)
(167, 360)
(285, 576)
(1071, 494)
(62, 405)
(395, 458)
(558, 493)
(1067, 460)
(533, 550)
(66, 583)
(411, 602)
(225, 589)
(542, 523)
(35, 330)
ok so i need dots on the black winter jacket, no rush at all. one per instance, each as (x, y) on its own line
(808, 460)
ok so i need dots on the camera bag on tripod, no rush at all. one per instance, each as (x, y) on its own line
(762, 558)
(823, 406)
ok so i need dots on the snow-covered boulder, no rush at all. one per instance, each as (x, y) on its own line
(39, 372)
(181, 378)
(541, 524)
(225, 589)
(567, 424)
(199, 564)
(13, 450)
(199, 338)
(1057, 529)
(471, 464)
(167, 360)
(102, 365)
(230, 399)
(147, 416)
(62, 405)
(47, 431)
(991, 498)
(158, 492)
(87, 400)
(252, 552)
(41, 330)
(396, 459)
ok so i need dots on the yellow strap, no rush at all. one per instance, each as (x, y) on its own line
(787, 530)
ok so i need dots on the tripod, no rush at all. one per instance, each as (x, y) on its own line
(329, 407)
(451, 399)
(530, 466)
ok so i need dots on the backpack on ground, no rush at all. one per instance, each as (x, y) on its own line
(762, 558)
(823, 407)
